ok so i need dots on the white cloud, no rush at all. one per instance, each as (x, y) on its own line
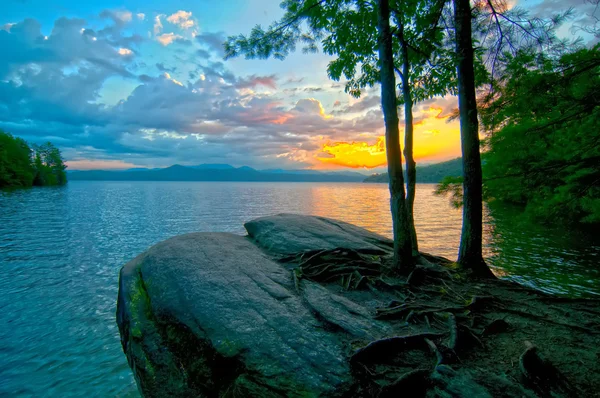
(158, 26)
(167, 38)
(141, 16)
(6, 27)
(182, 19)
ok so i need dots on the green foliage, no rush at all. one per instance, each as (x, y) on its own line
(347, 29)
(433, 173)
(22, 166)
(543, 146)
(453, 188)
(15, 162)
(49, 166)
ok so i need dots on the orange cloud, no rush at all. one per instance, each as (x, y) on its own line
(354, 154)
(435, 140)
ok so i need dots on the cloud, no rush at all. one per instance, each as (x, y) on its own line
(213, 42)
(158, 26)
(161, 67)
(53, 88)
(168, 38)
(181, 18)
(368, 102)
(354, 154)
(141, 16)
(309, 105)
(99, 164)
(118, 16)
(294, 81)
(254, 80)
(203, 53)
(115, 34)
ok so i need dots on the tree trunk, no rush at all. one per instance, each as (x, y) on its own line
(402, 239)
(470, 252)
(411, 166)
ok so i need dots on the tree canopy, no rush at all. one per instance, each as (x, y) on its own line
(25, 166)
(543, 148)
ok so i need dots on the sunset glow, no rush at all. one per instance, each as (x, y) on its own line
(355, 154)
(435, 139)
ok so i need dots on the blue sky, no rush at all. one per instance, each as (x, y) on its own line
(118, 84)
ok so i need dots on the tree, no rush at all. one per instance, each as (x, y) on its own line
(401, 227)
(355, 31)
(49, 165)
(22, 166)
(470, 254)
(424, 73)
(422, 61)
(348, 29)
(545, 151)
(501, 33)
(15, 162)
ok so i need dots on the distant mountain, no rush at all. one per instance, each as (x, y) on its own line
(216, 166)
(215, 172)
(433, 173)
(305, 171)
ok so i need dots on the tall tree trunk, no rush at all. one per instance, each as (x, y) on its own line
(411, 166)
(470, 252)
(402, 240)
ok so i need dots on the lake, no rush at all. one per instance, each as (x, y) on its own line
(61, 250)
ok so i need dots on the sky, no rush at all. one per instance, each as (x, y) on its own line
(122, 84)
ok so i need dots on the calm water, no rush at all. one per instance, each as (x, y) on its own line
(61, 250)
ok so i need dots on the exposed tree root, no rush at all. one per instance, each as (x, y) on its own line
(350, 268)
(476, 327)
(383, 350)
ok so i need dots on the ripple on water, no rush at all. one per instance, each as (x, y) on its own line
(61, 250)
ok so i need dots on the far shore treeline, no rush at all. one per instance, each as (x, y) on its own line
(22, 165)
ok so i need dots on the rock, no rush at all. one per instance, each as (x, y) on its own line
(217, 314)
(344, 314)
(206, 313)
(290, 234)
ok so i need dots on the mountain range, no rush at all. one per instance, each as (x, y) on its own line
(216, 172)
(432, 173)
(225, 172)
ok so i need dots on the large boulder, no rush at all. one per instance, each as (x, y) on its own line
(290, 234)
(217, 314)
(205, 314)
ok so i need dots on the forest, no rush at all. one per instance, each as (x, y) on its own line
(22, 165)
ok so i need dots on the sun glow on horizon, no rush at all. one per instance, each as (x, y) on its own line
(435, 139)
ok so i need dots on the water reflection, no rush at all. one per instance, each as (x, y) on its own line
(61, 249)
(557, 260)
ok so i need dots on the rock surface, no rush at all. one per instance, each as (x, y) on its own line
(289, 234)
(207, 313)
(217, 314)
